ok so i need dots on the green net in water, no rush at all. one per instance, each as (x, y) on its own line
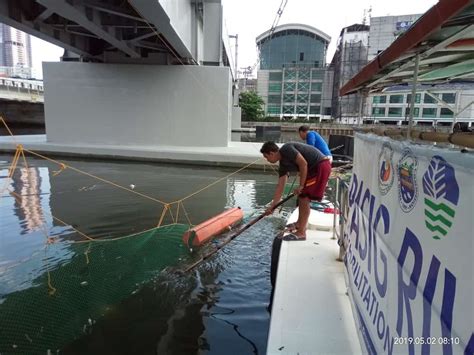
(79, 283)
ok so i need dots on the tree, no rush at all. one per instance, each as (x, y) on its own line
(251, 105)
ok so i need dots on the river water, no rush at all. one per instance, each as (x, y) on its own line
(218, 308)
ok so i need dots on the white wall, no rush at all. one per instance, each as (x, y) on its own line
(236, 117)
(137, 105)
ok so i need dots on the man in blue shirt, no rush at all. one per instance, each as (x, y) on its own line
(314, 139)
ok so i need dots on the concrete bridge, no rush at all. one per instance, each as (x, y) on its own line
(136, 72)
(12, 89)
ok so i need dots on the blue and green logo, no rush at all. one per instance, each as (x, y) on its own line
(441, 196)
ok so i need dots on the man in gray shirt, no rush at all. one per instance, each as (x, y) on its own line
(314, 169)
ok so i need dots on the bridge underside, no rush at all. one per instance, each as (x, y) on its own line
(112, 31)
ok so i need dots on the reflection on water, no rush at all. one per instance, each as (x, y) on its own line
(116, 297)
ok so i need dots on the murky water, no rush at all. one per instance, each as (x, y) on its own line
(219, 308)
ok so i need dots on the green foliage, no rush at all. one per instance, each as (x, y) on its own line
(251, 105)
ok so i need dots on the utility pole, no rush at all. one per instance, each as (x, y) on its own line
(236, 37)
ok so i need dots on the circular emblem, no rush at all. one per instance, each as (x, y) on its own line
(407, 189)
(385, 169)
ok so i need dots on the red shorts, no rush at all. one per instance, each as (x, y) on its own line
(316, 184)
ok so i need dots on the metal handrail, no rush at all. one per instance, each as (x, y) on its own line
(341, 209)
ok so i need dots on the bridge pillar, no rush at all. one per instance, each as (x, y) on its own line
(137, 105)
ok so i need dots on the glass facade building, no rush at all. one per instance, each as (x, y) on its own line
(433, 105)
(292, 71)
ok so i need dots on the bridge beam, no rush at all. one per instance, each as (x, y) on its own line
(89, 21)
(59, 37)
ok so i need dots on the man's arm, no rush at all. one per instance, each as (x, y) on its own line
(303, 170)
(278, 192)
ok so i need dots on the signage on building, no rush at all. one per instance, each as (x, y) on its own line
(403, 25)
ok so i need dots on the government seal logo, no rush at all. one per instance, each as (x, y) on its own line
(407, 189)
(441, 196)
(386, 170)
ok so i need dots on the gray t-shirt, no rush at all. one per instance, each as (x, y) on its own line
(288, 153)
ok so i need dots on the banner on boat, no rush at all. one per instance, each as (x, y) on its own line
(409, 239)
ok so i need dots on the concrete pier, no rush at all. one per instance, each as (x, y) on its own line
(236, 154)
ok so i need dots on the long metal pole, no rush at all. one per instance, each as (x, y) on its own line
(236, 234)
(361, 107)
(413, 94)
(236, 54)
(337, 207)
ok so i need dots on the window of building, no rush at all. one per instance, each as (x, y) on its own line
(289, 109)
(446, 113)
(315, 110)
(429, 112)
(449, 98)
(289, 98)
(380, 99)
(303, 75)
(301, 56)
(275, 76)
(303, 98)
(303, 86)
(378, 111)
(396, 99)
(274, 99)
(416, 112)
(290, 86)
(429, 100)
(327, 111)
(316, 86)
(417, 98)
(395, 111)
(302, 109)
(274, 87)
(274, 109)
(290, 74)
(316, 98)
(317, 74)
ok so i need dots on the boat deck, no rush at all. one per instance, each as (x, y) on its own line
(311, 311)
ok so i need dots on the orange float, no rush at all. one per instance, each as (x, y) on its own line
(203, 232)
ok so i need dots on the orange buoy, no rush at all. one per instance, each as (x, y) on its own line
(203, 232)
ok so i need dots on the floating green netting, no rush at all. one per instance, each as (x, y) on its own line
(92, 277)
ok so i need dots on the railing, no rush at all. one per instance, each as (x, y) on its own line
(21, 89)
(341, 209)
(20, 84)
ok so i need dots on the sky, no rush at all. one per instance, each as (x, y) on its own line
(250, 18)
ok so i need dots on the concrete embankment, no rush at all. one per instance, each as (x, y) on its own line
(236, 154)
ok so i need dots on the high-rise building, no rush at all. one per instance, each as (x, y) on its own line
(293, 73)
(350, 57)
(15, 52)
(385, 30)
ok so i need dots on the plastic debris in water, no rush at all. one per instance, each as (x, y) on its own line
(132, 186)
(84, 283)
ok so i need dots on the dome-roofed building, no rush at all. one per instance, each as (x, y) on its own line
(293, 79)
